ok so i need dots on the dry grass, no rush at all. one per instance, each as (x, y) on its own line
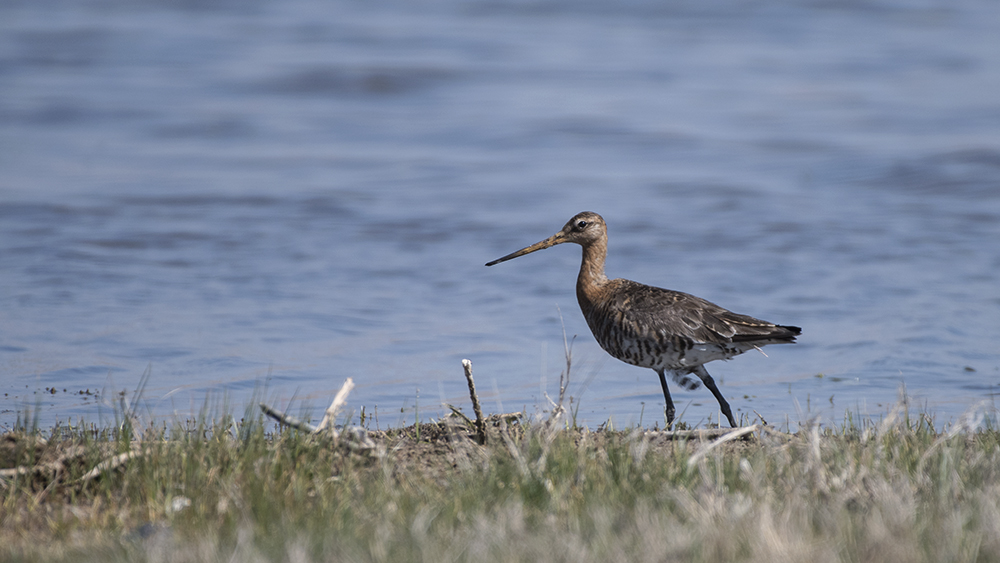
(898, 490)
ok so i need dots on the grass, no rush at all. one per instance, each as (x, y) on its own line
(222, 490)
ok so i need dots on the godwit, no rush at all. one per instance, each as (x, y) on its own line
(668, 331)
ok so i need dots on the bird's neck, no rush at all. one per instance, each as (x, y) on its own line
(591, 280)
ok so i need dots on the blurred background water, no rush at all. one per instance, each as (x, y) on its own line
(241, 195)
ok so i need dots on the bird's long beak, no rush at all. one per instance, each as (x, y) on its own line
(553, 240)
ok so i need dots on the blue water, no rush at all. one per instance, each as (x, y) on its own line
(275, 196)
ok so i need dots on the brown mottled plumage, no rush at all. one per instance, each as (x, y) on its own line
(668, 331)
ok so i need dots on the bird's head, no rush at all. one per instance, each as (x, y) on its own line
(584, 229)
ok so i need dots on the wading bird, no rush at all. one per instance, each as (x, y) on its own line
(669, 331)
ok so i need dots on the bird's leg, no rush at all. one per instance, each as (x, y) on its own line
(669, 407)
(710, 383)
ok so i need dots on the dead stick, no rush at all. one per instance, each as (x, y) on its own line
(480, 424)
(331, 412)
(112, 463)
(287, 419)
(764, 422)
(461, 415)
(733, 434)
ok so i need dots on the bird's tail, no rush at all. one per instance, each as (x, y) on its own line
(763, 335)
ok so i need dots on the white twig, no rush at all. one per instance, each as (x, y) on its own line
(112, 463)
(736, 433)
(329, 418)
(331, 411)
(26, 470)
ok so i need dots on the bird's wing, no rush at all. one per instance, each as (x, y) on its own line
(652, 310)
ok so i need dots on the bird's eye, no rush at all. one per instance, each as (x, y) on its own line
(580, 225)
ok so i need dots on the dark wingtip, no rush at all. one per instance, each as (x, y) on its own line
(775, 334)
(791, 333)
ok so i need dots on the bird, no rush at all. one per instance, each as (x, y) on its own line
(672, 332)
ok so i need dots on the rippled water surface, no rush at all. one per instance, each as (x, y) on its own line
(233, 196)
